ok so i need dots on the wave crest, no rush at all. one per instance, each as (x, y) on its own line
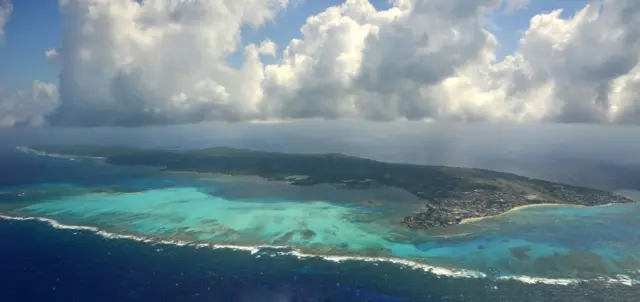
(291, 251)
(28, 150)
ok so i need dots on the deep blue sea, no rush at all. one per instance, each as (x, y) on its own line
(44, 263)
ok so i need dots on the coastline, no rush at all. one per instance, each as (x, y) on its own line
(218, 176)
(295, 252)
(280, 250)
(402, 260)
(196, 173)
(518, 208)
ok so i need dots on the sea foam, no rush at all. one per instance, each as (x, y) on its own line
(292, 251)
(27, 150)
(617, 279)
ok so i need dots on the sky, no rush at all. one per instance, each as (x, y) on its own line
(125, 63)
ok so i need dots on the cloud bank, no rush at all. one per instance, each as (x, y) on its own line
(5, 12)
(166, 62)
(29, 107)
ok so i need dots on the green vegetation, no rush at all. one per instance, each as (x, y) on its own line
(450, 194)
(423, 181)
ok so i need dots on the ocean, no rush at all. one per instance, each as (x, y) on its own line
(77, 229)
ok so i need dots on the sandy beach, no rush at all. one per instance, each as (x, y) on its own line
(472, 219)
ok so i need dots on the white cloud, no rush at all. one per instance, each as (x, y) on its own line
(29, 107)
(267, 47)
(582, 69)
(5, 13)
(52, 53)
(434, 60)
(355, 61)
(165, 61)
(125, 63)
(515, 5)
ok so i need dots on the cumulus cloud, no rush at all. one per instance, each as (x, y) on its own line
(164, 62)
(5, 12)
(359, 62)
(159, 61)
(267, 47)
(581, 69)
(435, 60)
(29, 107)
(52, 53)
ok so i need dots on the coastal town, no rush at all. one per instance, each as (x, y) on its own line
(450, 194)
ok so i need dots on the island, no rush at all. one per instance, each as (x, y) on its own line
(451, 194)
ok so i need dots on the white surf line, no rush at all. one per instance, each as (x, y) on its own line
(459, 273)
(617, 279)
(292, 251)
(27, 150)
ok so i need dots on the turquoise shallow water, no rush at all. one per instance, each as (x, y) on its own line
(547, 243)
(189, 214)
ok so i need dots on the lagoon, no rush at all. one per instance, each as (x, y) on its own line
(552, 244)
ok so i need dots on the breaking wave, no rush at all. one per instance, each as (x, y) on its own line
(290, 251)
(27, 150)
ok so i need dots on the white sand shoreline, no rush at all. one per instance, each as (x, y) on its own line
(518, 208)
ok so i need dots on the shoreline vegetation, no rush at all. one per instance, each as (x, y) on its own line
(213, 175)
(450, 195)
